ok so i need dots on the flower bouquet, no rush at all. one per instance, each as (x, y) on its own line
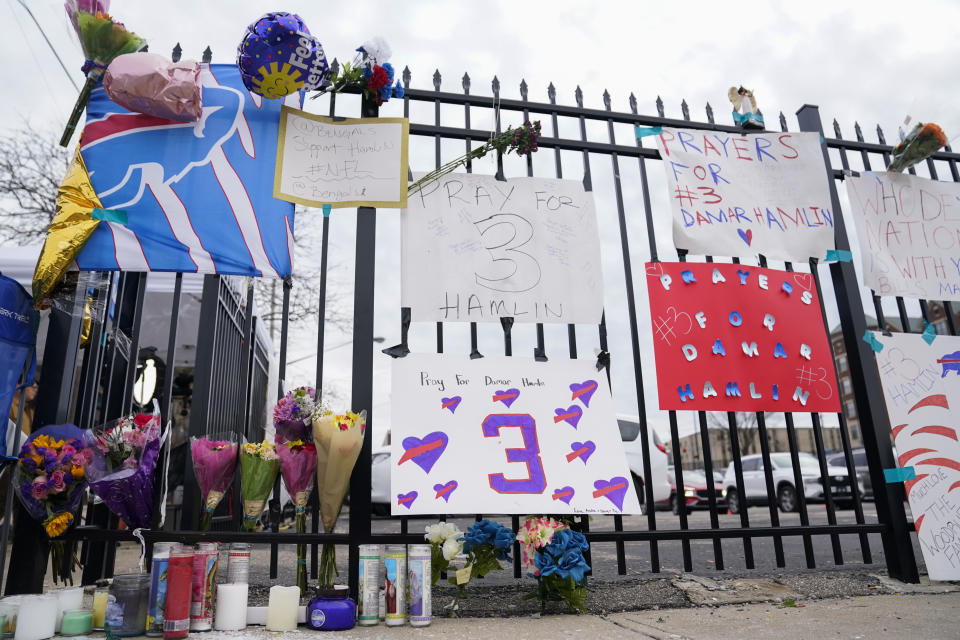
(122, 459)
(298, 461)
(446, 543)
(51, 483)
(338, 439)
(923, 141)
(291, 416)
(259, 465)
(522, 141)
(214, 462)
(369, 73)
(486, 543)
(559, 565)
(102, 39)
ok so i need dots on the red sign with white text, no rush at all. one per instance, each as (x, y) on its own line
(731, 337)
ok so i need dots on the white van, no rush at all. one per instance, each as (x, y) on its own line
(630, 434)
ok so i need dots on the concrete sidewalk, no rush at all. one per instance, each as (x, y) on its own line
(923, 616)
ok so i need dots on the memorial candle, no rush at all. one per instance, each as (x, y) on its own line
(100, 607)
(68, 598)
(36, 619)
(231, 610)
(282, 608)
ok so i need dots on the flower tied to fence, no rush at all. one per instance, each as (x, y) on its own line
(214, 462)
(558, 562)
(259, 465)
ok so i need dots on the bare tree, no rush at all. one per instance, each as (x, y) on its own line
(32, 165)
(747, 429)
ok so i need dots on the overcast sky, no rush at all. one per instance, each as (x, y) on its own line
(874, 62)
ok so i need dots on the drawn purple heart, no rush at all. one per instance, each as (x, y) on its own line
(507, 397)
(407, 499)
(582, 450)
(424, 451)
(571, 415)
(446, 490)
(450, 403)
(584, 391)
(614, 490)
(564, 493)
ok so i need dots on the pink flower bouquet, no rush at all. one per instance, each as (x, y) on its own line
(298, 461)
(214, 462)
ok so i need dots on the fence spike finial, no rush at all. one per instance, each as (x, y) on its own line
(177, 53)
(523, 89)
(836, 129)
(406, 77)
(659, 107)
(709, 113)
(436, 80)
(207, 55)
(685, 109)
(858, 131)
(578, 94)
(783, 122)
(552, 93)
(606, 99)
(633, 103)
(495, 86)
(466, 82)
(880, 136)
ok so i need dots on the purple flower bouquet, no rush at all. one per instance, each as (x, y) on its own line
(292, 415)
(298, 462)
(214, 462)
(122, 461)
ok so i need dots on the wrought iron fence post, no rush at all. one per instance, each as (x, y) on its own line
(868, 393)
(362, 370)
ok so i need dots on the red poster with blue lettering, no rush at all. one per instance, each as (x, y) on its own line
(731, 337)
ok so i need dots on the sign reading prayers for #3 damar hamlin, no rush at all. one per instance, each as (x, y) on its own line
(505, 435)
(477, 249)
(921, 388)
(742, 196)
(729, 337)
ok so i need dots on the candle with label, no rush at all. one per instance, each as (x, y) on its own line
(282, 608)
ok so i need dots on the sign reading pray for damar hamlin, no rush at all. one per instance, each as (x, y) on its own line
(476, 249)
(744, 195)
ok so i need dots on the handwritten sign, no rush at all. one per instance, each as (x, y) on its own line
(744, 195)
(921, 388)
(909, 233)
(478, 249)
(505, 435)
(343, 162)
(728, 337)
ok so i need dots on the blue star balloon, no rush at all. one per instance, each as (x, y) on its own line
(278, 56)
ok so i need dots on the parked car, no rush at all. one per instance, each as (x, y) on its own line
(632, 446)
(695, 494)
(755, 486)
(380, 481)
(861, 467)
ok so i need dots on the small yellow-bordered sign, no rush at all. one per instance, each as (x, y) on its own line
(343, 162)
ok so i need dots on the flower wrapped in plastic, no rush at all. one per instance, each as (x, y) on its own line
(214, 462)
(922, 142)
(50, 484)
(338, 439)
(368, 72)
(298, 462)
(102, 39)
(123, 456)
(560, 567)
(293, 414)
(259, 465)
(486, 544)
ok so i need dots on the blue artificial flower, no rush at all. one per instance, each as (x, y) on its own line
(544, 564)
(489, 532)
(572, 565)
(389, 69)
(397, 90)
(385, 92)
(565, 540)
(367, 72)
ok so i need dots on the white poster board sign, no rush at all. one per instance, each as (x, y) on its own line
(921, 388)
(742, 195)
(343, 162)
(909, 233)
(505, 435)
(476, 249)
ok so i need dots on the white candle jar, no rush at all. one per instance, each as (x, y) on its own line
(36, 619)
(231, 611)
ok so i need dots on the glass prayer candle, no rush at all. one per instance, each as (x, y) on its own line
(67, 598)
(9, 607)
(36, 619)
(176, 615)
(127, 604)
(100, 596)
(76, 622)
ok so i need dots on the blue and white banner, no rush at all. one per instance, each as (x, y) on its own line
(198, 195)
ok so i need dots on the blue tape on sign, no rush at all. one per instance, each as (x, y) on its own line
(929, 333)
(327, 208)
(110, 215)
(899, 475)
(871, 340)
(643, 132)
(838, 255)
(821, 139)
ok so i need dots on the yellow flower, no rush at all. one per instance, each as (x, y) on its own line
(56, 525)
(41, 441)
(77, 471)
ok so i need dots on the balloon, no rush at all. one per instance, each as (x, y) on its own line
(150, 84)
(278, 56)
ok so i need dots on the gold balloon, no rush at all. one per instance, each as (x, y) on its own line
(72, 226)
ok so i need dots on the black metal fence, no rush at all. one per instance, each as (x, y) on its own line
(597, 145)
